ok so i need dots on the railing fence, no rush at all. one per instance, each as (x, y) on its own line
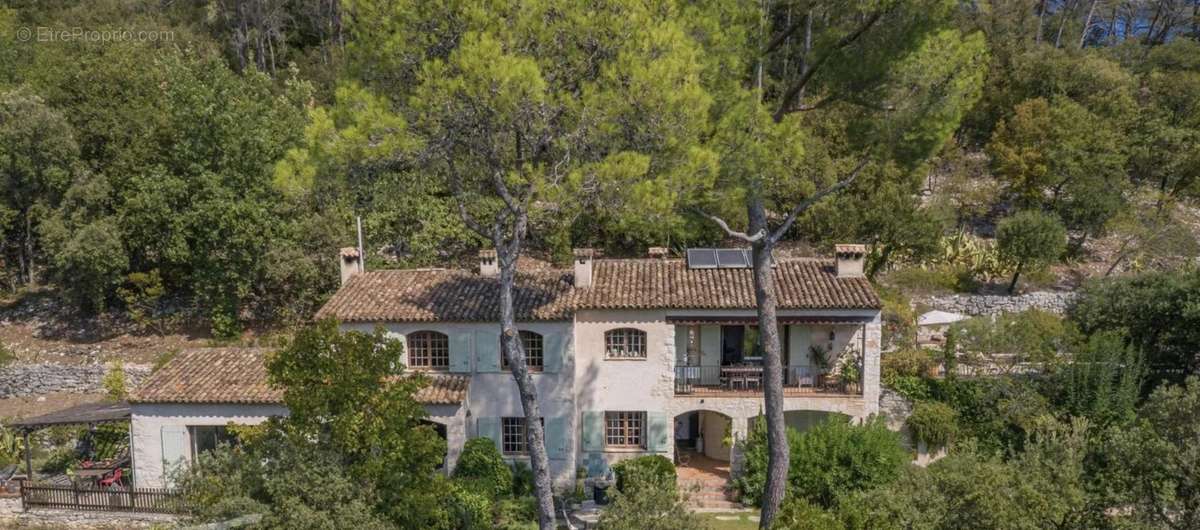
(117, 499)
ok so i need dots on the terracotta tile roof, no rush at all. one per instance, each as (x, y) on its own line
(211, 375)
(669, 284)
(430, 295)
(239, 375)
(444, 389)
(441, 295)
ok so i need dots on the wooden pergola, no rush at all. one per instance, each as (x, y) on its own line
(86, 414)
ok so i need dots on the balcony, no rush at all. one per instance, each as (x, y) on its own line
(747, 381)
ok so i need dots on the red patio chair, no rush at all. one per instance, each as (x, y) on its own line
(113, 480)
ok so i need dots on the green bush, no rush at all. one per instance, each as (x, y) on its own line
(517, 513)
(934, 423)
(659, 468)
(470, 508)
(59, 461)
(6, 355)
(907, 362)
(522, 483)
(482, 464)
(833, 459)
(799, 514)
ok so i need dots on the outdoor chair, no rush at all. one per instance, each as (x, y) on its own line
(112, 480)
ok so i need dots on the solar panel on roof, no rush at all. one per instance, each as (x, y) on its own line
(702, 258)
(732, 258)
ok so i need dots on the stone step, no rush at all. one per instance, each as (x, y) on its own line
(711, 504)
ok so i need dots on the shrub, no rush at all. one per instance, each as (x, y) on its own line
(58, 461)
(799, 514)
(482, 464)
(6, 355)
(522, 483)
(934, 423)
(520, 512)
(909, 362)
(831, 460)
(114, 382)
(650, 501)
(659, 468)
(469, 508)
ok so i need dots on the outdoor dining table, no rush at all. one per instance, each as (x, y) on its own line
(741, 374)
(92, 474)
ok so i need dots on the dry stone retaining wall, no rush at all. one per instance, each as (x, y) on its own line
(990, 304)
(31, 379)
(11, 516)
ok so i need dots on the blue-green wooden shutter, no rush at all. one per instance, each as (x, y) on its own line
(681, 345)
(710, 354)
(460, 352)
(489, 428)
(557, 438)
(487, 351)
(593, 431)
(553, 351)
(659, 432)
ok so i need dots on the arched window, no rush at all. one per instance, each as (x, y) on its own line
(625, 343)
(428, 350)
(534, 356)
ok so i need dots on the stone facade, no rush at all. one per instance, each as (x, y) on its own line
(980, 304)
(20, 379)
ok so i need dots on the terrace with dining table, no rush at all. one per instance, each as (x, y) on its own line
(725, 359)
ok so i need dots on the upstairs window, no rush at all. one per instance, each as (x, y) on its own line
(534, 357)
(625, 343)
(428, 350)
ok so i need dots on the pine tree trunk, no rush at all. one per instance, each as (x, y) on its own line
(768, 334)
(514, 353)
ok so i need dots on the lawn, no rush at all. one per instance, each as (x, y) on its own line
(732, 520)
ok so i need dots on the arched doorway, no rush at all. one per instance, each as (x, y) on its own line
(440, 429)
(703, 454)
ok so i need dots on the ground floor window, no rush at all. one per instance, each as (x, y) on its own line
(624, 429)
(206, 438)
(512, 436)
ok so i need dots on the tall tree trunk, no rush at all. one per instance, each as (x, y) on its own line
(1062, 22)
(1087, 24)
(1037, 39)
(514, 352)
(768, 334)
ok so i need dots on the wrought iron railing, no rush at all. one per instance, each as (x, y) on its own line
(736, 379)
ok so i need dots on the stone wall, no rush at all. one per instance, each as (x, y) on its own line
(989, 304)
(11, 516)
(31, 379)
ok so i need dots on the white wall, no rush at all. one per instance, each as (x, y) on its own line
(148, 420)
(494, 394)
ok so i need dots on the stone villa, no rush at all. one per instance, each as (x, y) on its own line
(630, 357)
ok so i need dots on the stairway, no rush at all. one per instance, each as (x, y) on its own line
(708, 493)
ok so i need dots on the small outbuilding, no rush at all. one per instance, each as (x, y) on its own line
(932, 326)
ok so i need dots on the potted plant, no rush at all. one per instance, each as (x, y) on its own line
(820, 362)
(600, 487)
(851, 373)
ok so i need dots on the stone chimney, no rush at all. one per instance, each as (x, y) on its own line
(488, 267)
(850, 260)
(583, 266)
(351, 263)
(657, 252)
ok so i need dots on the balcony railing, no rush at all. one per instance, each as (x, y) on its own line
(737, 380)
